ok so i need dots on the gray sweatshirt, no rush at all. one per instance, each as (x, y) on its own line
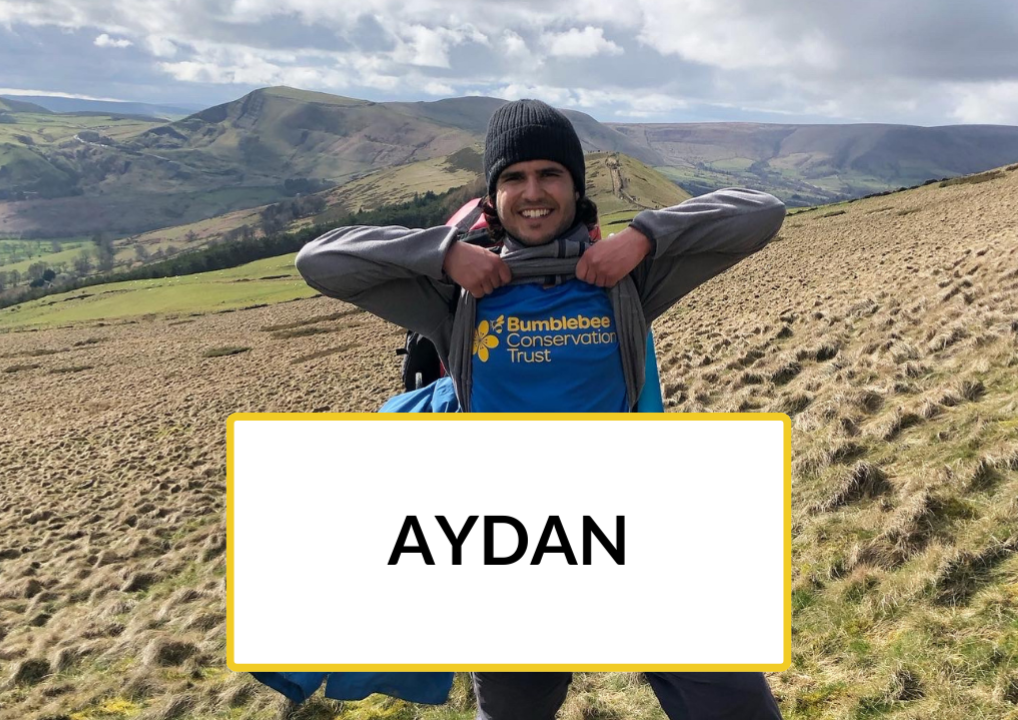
(396, 272)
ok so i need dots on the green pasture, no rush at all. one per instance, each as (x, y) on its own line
(616, 221)
(265, 281)
(52, 129)
(70, 249)
(735, 164)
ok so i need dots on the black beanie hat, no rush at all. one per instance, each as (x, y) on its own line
(531, 130)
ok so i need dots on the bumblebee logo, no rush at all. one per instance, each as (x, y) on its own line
(483, 341)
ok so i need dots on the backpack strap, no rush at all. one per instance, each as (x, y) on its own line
(467, 221)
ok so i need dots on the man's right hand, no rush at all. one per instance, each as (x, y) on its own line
(475, 269)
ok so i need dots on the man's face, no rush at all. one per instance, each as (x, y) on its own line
(536, 200)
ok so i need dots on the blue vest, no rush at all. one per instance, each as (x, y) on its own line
(553, 349)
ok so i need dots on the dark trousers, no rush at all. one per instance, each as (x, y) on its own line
(683, 696)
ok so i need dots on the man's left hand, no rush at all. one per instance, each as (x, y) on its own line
(608, 261)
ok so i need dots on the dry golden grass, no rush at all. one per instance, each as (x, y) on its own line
(889, 332)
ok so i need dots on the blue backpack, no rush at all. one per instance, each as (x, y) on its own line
(419, 687)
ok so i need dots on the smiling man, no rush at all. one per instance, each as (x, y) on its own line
(551, 323)
(536, 200)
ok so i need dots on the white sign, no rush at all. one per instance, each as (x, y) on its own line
(509, 542)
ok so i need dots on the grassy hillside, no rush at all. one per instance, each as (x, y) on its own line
(635, 186)
(887, 328)
(127, 213)
(264, 281)
(621, 184)
(31, 163)
(19, 255)
(154, 175)
(12, 105)
(283, 132)
(399, 184)
(42, 129)
(63, 174)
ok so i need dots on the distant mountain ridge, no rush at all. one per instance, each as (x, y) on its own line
(20, 106)
(830, 162)
(77, 105)
(141, 174)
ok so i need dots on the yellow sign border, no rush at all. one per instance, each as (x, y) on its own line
(514, 667)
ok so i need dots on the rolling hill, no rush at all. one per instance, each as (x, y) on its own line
(105, 107)
(618, 184)
(238, 155)
(10, 105)
(125, 175)
(809, 164)
(887, 328)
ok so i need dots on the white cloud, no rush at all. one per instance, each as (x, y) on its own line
(628, 103)
(437, 88)
(429, 47)
(987, 103)
(423, 46)
(250, 69)
(919, 61)
(160, 46)
(105, 40)
(580, 43)
(736, 35)
(513, 49)
(50, 93)
(551, 95)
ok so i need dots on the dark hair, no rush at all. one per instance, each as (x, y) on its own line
(586, 213)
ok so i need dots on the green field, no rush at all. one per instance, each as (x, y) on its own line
(70, 249)
(265, 281)
(615, 222)
(732, 164)
(45, 129)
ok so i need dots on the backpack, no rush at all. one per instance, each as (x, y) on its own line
(421, 364)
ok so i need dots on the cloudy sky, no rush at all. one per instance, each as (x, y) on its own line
(923, 62)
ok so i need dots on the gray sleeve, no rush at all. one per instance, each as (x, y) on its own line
(393, 272)
(700, 238)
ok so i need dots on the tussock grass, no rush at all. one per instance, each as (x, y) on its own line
(302, 332)
(322, 353)
(166, 652)
(29, 671)
(42, 352)
(864, 480)
(20, 367)
(907, 533)
(963, 572)
(816, 460)
(785, 373)
(224, 351)
(311, 321)
(792, 404)
(897, 422)
(973, 179)
(70, 369)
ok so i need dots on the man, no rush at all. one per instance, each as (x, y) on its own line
(551, 323)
